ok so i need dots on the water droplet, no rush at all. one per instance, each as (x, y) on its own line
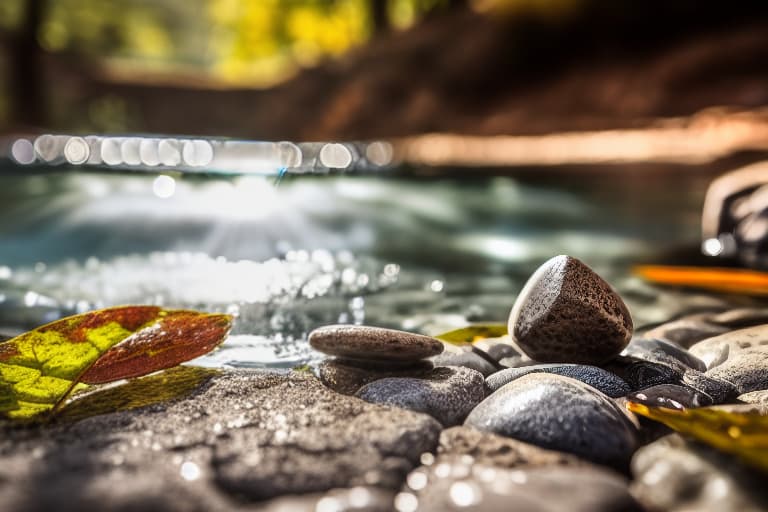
(190, 471)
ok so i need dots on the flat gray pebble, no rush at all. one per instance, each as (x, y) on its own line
(447, 393)
(373, 343)
(466, 358)
(715, 350)
(566, 313)
(604, 381)
(346, 376)
(559, 413)
(687, 330)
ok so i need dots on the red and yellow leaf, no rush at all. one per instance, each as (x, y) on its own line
(40, 368)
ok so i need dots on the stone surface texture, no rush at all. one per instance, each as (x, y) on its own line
(447, 393)
(559, 413)
(608, 383)
(678, 475)
(566, 313)
(244, 437)
(375, 343)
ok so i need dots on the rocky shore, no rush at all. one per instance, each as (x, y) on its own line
(534, 421)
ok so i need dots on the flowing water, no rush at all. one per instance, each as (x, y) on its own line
(418, 254)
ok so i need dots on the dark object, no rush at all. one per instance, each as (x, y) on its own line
(735, 217)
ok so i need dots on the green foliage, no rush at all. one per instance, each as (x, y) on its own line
(744, 434)
(41, 368)
(473, 333)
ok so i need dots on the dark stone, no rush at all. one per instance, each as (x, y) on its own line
(606, 382)
(671, 396)
(447, 393)
(641, 374)
(247, 435)
(718, 389)
(678, 475)
(660, 351)
(374, 343)
(347, 376)
(566, 313)
(559, 413)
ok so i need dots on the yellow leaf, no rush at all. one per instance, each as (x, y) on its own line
(473, 333)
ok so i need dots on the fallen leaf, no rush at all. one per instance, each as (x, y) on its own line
(744, 434)
(473, 333)
(162, 387)
(40, 369)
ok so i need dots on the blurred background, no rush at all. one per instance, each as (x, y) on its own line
(354, 69)
(508, 131)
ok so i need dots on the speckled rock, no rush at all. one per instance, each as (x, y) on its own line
(605, 382)
(716, 350)
(373, 343)
(559, 413)
(672, 396)
(494, 450)
(746, 370)
(720, 390)
(681, 476)
(660, 351)
(566, 313)
(243, 436)
(447, 393)
(459, 484)
(346, 376)
(755, 397)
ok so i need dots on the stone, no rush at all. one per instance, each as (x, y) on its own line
(660, 351)
(720, 390)
(641, 374)
(678, 475)
(243, 436)
(741, 318)
(746, 370)
(499, 348)
(373, 343)
(498, 451)
(566, 313)
(460, 484)
(447, 393)
(687, 330)
(346, 376)
(467, 358)
(671, 396)
(355, 499)
(606, 382)
(717, 349)
(559, 413)
(755, 397)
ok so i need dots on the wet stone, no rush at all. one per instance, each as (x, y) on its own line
(347, 376)
(461, 484)
(244, 436)
(671, 396)
(559, 413)
(720, 390)
(373, 343)
(447, 393)
(678, 475)
(660, 351)
(566, 313)
(605, 382)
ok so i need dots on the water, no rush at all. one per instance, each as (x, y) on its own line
(419, 254)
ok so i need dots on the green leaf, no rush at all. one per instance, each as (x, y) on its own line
(171, 384)
(744, 434)
(473, 333)
(40, 369)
